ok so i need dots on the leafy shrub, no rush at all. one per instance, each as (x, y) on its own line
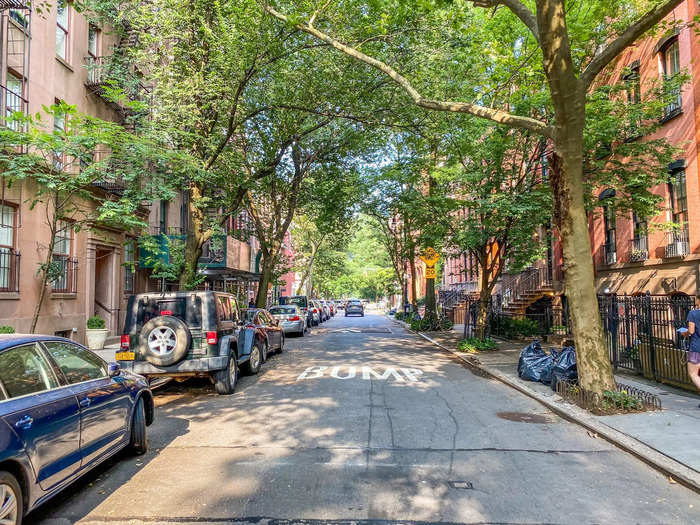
(620, 401)
(95, 322)
(4, 329)
(515, 327)
(473, 345)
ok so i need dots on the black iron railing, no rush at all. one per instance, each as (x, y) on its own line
(65, 274)
(678, 243)
(639, 250)
(642, 334)
(516, 286)
(9, 270)
(675, 105)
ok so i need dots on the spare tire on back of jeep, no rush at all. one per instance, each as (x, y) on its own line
(164, 340)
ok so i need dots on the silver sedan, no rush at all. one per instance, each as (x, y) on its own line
(292, 319)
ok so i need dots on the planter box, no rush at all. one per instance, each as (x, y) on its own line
(96, 338)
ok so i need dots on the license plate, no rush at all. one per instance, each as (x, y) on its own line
(125, 356)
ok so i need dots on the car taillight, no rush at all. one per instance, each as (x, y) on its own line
(212, 338)
(125, 341)
(315, 311)
(294, 318)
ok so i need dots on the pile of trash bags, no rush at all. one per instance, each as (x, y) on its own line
(537, 365)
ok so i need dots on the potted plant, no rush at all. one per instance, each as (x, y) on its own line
(96, 333)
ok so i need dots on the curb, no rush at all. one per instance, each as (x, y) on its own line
(679, 472)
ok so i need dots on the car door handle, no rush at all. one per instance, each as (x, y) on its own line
(85, 402)
(25, 423)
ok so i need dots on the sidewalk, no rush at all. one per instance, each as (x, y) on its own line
(666, 439)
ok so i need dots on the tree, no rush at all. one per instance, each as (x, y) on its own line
(498, 199)
(571, 46)
(66, 164)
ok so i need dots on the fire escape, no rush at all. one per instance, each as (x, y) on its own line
(15, 31)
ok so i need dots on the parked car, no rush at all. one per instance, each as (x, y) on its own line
(261, 319)
(196, 333)
(302, 302)
(317, 311)
(291, 319)
(354, 307)
(331, 306)
(327, 308)
(340, 304)
(63, 411)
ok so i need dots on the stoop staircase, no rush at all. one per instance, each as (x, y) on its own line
(521, 290)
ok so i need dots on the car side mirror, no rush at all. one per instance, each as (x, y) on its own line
(113, 369)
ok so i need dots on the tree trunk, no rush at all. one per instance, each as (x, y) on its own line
(484, 299)
(268, 266)
(45, 272)
(430, 306)
(196, 237)
(412, 268)
(593, 361)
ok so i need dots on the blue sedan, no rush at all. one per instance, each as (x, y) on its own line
(63, 410)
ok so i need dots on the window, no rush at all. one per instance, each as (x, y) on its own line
(13, 98)
(19, 17)
(93, 40)
(8, 264)
(632, 84)
(609, 248)
(59, 126)
(76, 363)
(640, 244)
(62, 21)
(224, 307)
(163, 226)
(24, 370)
(678, 198)
(63, 262)
(129, 265)
(671, 66)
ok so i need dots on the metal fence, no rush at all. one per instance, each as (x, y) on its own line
(642, 334)
(641, 331)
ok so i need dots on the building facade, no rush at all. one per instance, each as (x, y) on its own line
(632, 255)
(60, 56)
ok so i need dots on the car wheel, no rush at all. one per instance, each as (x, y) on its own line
(11, 502)
(265, 352)
(138, 442)
(301, 332)
(225, 380)
(281, 349)
(164, 340)
(255, 360)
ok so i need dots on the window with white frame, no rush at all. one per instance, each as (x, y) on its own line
(671, 67)
(62, 28)
(93, 40)
(13, 99)
(63, 262)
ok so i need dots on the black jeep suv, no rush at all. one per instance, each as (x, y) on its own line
(197, 333)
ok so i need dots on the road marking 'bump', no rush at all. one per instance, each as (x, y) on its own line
(368, 373)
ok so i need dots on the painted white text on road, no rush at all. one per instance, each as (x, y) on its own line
(366, 373)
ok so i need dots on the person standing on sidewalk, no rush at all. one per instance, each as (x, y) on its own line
(694, 347)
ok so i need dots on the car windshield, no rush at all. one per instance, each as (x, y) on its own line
(248, 315)
(283, 310)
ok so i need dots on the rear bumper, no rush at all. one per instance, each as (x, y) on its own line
(292, 326)
(204, 364)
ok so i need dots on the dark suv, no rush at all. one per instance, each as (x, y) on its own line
(197, 333)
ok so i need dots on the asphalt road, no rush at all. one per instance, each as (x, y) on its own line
(409, 434)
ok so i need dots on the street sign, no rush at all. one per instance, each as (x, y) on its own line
(430, 256)
(430, 272)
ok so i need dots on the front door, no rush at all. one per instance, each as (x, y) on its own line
(44, 415)
(104, 401)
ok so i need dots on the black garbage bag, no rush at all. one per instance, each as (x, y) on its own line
(564, 368)
(534, 363)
